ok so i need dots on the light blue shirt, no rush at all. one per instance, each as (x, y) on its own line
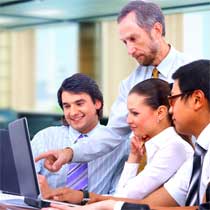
(103, 172)
(118, 129)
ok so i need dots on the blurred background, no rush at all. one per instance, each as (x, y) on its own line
(44, 41)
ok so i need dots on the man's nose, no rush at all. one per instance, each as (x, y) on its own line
(131, 49)
(170, 110)
(73, 110)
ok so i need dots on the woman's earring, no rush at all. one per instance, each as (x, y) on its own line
(158, 120)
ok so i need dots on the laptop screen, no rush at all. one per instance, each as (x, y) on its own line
(8, 175)
(21, 148)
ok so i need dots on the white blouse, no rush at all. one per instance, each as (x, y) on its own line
(166, 152)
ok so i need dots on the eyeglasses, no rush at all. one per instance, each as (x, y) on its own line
(172, 99)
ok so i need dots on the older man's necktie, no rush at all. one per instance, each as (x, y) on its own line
(77, 177)
(155, 73)
(194, 186)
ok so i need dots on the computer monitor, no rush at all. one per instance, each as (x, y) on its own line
(23, 158)
(8, 174)
(24, 163)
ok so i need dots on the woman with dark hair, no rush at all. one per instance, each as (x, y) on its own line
(150, 121)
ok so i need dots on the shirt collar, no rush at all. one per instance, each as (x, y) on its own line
(166, 64)
(159, 140)
(74, 134)
(204, 138)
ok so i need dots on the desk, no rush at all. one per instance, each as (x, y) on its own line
(5, 207)
(9, 207)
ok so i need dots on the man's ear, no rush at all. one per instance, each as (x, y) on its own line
(198, 99)
(157, 29)
(98, 104)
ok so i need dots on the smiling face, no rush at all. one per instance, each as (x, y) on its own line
(80, 111)
(141, 45)
(142, 119)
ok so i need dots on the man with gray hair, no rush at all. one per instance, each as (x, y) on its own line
(141, 28)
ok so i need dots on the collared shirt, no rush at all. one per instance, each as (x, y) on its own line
(178, 185)
(103, 173)
(166, 152)
(118, 129)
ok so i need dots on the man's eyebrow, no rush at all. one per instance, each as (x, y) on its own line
(64, 103)
(77, 101)
(80, 100)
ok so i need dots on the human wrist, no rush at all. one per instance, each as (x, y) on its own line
(85, 197)
(68, 152)
(97, 197)
(133, 158)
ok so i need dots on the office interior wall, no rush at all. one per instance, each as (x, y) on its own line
(90, 49)
(174, 30)
(5, 63)
(22, 70)
(116, 64)
(17, 70)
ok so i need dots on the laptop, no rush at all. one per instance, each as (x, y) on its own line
(25, 166)
(8, 175)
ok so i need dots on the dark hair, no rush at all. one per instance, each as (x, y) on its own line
(147, 14)
(194, 76)
(81, 83)
(155, 90)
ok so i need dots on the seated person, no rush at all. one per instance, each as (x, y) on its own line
(190, 109)
(151, 124)
(82, 104)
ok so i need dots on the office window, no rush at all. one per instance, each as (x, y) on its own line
(56, 59)
(196, 34)
(5, 49)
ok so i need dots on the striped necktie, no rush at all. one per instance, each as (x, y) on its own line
(192, 198)
(155, 73)
(77, 176)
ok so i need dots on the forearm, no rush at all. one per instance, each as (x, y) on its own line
(129, 173)
(96, 198)
(133, 158)
(103, 205)
(98, 145)
(158, 198)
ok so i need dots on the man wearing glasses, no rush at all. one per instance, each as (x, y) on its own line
(190, 109)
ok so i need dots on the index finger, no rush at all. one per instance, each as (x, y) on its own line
(44, 155)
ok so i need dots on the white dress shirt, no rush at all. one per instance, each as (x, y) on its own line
(118, 129)
(178, 185)
(166, 152)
